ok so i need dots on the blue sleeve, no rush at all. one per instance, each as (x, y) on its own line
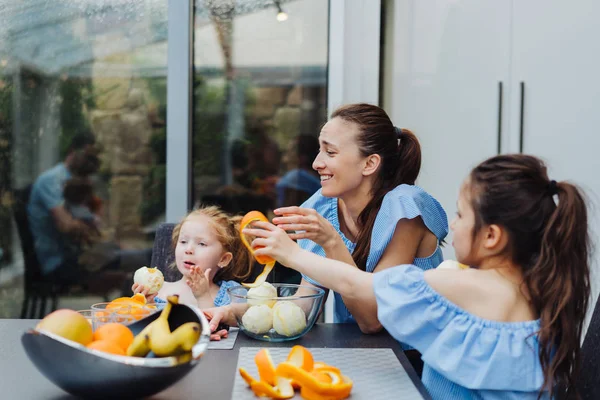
(470, 351)
(320, 204)
(404, 202)
(222, 298)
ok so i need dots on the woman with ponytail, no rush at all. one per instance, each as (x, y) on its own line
(510, 326)
(368, 212)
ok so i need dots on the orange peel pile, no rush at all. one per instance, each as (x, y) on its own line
(268, 262)
(315, 380)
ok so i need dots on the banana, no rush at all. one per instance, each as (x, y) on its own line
(164, 343)
(140, 347)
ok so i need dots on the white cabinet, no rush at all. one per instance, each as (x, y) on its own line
(447, 59)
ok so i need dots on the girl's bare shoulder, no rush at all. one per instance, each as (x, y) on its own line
(480, 292)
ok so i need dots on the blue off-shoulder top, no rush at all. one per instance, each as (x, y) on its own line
(465, 356)
(403, 202)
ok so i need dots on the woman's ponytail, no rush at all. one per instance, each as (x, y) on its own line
(409, 158)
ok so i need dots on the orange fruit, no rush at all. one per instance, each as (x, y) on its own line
(68, 324)
(115, 333)
(250, 217)
(137, 298)
(106, 346)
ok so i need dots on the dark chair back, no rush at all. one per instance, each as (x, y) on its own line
(33, 271)
(162, 253)
(589, 380)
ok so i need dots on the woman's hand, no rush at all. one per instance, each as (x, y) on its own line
(199, 282)
(216, 316)
(137, 288)
(272, 241)
(308, 224)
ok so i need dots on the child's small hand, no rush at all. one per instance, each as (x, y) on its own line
(214, 316)
(199, 282)
(137, 288)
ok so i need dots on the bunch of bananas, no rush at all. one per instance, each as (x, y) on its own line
(158, 338)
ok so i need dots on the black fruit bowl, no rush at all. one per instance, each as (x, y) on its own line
(96, 375)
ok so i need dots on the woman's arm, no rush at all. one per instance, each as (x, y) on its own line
(344, 278)
(349, 281)
(402, 249)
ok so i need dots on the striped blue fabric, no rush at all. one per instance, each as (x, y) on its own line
(404, 202)
(222, 298)
(465, 356)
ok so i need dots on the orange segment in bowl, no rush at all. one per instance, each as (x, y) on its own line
(136, 298)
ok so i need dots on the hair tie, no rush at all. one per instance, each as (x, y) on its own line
(398, 132)
(552, 188)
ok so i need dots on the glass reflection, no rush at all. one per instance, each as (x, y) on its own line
(82, 134)
(260, 87)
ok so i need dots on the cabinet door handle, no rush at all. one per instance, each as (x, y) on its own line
(522, 122)
(499, 144)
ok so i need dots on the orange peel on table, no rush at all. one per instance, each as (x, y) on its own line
(268, 262)
(316, 381)
(266, 368)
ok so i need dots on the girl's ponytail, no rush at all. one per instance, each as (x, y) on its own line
(549, 241)
(559, 285)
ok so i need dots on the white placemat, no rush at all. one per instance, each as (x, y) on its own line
(227, 343)
(376, 373)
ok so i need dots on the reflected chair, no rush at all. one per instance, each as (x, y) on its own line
(38, 289)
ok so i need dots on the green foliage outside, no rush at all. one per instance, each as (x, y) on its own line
(75, 94)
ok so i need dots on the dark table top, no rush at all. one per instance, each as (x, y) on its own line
(212, 378)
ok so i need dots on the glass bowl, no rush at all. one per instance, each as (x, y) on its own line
(279, 318)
